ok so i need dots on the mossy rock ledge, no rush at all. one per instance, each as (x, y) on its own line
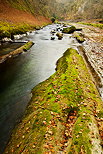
(64, 114)
(69, 30)
(18, 51)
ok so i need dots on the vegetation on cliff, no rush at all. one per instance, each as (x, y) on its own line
(64, 115)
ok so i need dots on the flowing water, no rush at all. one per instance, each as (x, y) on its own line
(20, 74)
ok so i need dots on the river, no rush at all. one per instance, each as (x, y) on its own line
(19, 75)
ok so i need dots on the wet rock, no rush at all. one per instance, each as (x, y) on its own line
(52, 38)
(59, 35)
(53, 32)
(57, 29)
(69, 30)
(38, 28)
(12, 37)
(78, 29)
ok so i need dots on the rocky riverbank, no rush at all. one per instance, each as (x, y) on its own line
(64, 114)
(93, 48)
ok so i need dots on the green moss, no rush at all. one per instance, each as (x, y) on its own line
(68, 90)
(93, 24)
(27, 46)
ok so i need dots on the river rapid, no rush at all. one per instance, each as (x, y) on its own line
(20, 74)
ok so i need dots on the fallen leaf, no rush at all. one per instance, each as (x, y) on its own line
(44, 122)
(46, 146)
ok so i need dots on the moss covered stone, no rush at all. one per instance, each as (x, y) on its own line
(59, 35)
(61, 114)
(79, 37)
(69, 30)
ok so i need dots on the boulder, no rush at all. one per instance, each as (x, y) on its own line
(79, 37)
(59, 35)
(52, 38)
(69, 30)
